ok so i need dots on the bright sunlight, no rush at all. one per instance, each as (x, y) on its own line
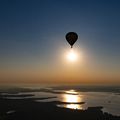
(72, 56)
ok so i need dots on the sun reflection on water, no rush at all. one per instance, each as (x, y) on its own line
(72, 99)
(73, 106)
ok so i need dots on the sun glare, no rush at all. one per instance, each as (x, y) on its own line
(72, 55)
(72, 100)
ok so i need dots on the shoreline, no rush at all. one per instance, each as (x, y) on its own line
(17, 109)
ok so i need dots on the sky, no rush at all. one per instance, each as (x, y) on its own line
(33, 46)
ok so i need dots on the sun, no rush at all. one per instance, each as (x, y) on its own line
(72, 56)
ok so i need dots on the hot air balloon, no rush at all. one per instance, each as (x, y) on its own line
(71, 38)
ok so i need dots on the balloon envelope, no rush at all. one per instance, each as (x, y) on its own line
(71, 38)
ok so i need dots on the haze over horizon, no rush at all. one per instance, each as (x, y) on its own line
(33, 46)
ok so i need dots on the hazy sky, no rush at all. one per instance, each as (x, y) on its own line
(33, 45)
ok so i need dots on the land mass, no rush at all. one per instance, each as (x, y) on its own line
(28, 109)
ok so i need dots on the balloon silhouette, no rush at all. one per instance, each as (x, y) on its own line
(71, 38)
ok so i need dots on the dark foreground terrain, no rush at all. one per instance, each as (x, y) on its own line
(27, 109)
